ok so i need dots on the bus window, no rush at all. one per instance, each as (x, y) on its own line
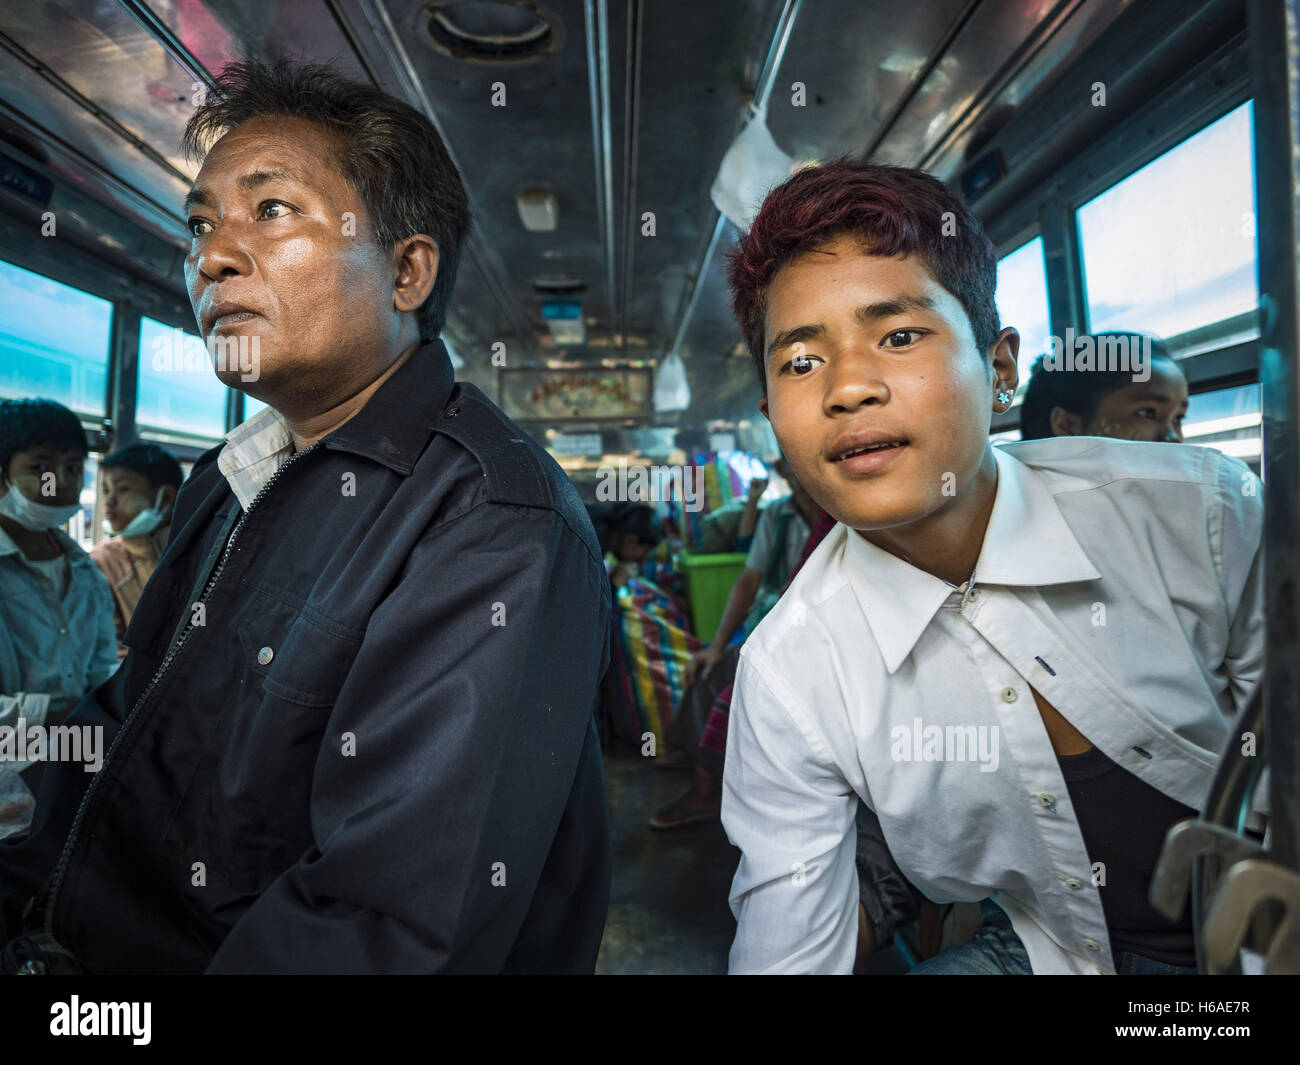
(1022, 302)
(178, 391)
(53, 341)
(1172, 247)
(1227, 419)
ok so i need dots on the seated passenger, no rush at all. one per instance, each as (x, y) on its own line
(697, 734)
(56, 628)
(360, 687)
(979, 616)
(139, 483)
(627, 533)
(730, 528)
(1109, 402)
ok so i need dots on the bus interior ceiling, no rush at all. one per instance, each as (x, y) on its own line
(621, 112)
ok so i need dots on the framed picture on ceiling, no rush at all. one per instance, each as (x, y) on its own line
(577, 394)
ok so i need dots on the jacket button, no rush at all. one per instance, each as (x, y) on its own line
(264, 656)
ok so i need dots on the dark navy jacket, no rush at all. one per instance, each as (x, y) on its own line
(377, 753)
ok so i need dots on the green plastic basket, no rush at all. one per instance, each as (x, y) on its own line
(708, 583)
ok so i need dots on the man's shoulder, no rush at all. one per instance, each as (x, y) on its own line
(516, 470)
(1071, 463)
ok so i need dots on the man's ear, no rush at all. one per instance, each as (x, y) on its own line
(417, 270)
(168, 495)
(1065, 423)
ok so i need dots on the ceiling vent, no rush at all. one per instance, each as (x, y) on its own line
(492, 31)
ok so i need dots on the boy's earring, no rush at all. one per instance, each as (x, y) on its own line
(1004, 397)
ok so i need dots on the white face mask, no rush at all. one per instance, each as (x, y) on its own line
(35, 517)
(147, 520)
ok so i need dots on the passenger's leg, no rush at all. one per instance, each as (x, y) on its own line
(994, 950)
(704, 798)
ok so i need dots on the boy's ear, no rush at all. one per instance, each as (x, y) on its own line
(1004, 356)
(762, 406)
(1065, 423)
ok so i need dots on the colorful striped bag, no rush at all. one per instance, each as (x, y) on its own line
(651, 646)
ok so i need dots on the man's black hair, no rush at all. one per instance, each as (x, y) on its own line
(153, 463)
(29, 423)
(1078, 391)
(639, 519)
(390, 153)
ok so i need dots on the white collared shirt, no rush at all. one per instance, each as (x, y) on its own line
(254, 450)
(1123, 581)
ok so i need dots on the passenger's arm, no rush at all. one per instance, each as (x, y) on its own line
(786, 805)
(467, 706)
(749, 517)
(739, 600)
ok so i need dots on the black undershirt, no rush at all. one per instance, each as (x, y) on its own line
(1124, 821)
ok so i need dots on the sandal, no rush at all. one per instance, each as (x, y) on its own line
(664, 819)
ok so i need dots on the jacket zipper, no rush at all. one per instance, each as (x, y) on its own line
(51, 890)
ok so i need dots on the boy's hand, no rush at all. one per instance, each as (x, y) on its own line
(756, 488)
(702, 663)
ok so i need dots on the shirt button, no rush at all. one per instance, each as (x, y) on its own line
(1092, 944)
(264, 656)
(1010, 695)
(1074, 883)
(1046, 799)
(63, 631)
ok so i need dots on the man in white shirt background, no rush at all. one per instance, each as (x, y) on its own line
(1024, 660)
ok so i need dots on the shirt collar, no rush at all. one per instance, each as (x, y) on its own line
(1027, 543)
(391, 428)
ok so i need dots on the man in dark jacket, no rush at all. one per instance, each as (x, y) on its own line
(354, 729)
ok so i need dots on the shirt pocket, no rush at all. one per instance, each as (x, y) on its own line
(248, 803)
(296, 653)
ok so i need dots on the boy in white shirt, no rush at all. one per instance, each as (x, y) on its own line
(1026, 660)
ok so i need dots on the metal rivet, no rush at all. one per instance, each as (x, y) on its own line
(1010, 695)
(264, 656)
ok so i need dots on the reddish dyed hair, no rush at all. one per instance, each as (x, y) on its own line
(894, 210)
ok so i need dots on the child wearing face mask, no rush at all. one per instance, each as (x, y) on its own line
(56, 629)
(140, 483)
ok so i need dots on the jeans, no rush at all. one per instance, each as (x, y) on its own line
(996, 950)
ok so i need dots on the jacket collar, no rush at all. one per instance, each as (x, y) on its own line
(1028, 543)
(392, 428)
